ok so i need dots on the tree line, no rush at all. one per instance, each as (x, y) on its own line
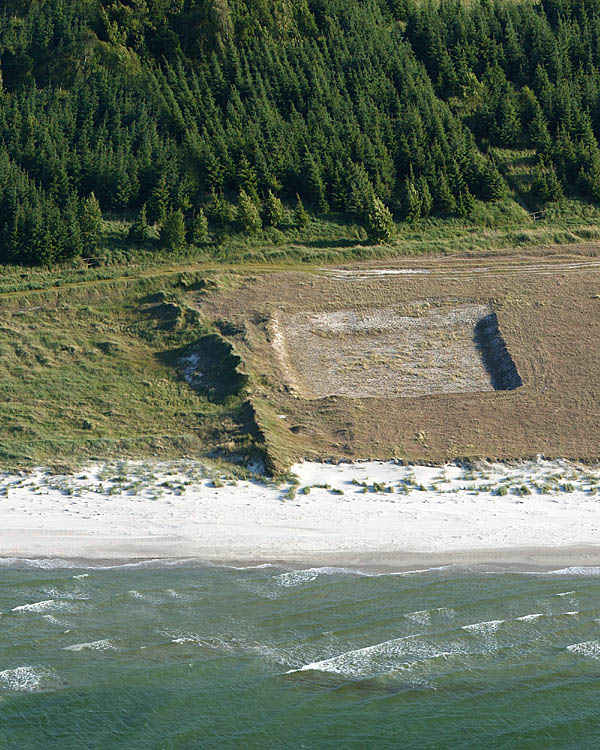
(208, 116)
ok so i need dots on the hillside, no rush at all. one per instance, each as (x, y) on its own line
(129, 127)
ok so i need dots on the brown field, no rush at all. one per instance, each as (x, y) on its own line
(384, 361)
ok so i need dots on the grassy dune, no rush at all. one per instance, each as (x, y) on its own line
(98, 371)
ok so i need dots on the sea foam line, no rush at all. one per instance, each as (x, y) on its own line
(101, 645)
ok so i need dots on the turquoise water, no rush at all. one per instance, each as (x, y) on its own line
(192, 656)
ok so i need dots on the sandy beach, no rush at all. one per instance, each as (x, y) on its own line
(531, 514)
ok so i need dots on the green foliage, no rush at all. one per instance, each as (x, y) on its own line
(160, 201)
(139, 232)
(198, 231)
(273, 211)
(90, 222)
(301, 217)
(172, 232)
(546, 186)
(248, 214)
(176, 105)
(380, 224)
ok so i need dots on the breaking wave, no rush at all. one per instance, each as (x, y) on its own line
(28, 679)
(101, 645)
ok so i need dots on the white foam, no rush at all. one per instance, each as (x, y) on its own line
(101, 645)
(381, 658)
(535, 616)
(488, 626)
(565, 593)
(40, 606)
(586, 648)
(576, 571)
(296, 577)
(64, 594)
(422, 616)
(27, 679)
(42, 563)
(52, 620)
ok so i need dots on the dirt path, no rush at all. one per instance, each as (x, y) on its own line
(487, 271)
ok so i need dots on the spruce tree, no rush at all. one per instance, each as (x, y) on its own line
(90, 221)
(444, 200)
(172, 232)
(411, 200)
(273, 211)
(247, 178)
(425, 195)
(301, 217)
(160, 201)
(248, 214)
(219, 211)
(313, 182)
(139, 231)
(198, 232)
(380, 224)
(465, 203)
(491, 183)
(546, 186)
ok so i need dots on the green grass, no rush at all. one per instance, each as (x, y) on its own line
(99, 375)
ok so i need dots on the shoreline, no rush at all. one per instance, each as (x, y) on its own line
(378, 516)
(558, 559)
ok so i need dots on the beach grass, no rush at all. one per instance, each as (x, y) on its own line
(98, 374)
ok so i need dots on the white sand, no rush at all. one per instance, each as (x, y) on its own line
(121, 511)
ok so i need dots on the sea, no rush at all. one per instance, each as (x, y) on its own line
(182, 654)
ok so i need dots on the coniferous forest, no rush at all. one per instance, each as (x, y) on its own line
(198, 117)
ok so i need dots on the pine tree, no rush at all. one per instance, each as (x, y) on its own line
(172, 232)
(273, 211)
(380, 224)
(411, 200)
(425, 196)
(362, 192)
(465, 203)
(247, 178)
(219, 211)
(90, 221)
(139, 231)
(160, 200)
(73, 243)
(313, 182)
(508, 126)
(198, 231)
(491, 184)
(301, 217)
(248, 214)
(444, 200)
(546, 186)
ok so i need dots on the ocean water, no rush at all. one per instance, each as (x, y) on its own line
(186, 655)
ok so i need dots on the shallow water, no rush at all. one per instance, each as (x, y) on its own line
(192, 656)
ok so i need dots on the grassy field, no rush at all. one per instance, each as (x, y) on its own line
(96, 372)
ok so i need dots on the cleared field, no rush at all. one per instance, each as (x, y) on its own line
(422, 348)
(433, 360)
